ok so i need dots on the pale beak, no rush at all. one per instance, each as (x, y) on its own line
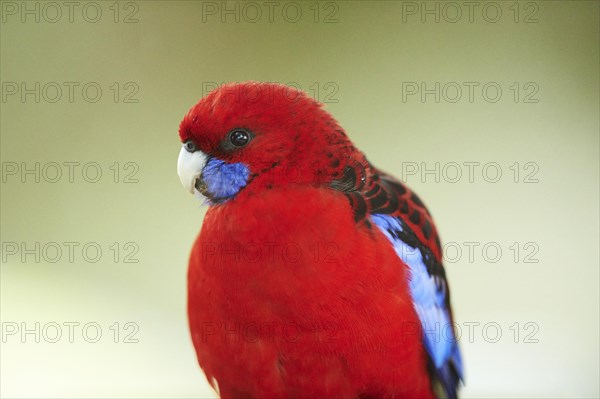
(189, 167)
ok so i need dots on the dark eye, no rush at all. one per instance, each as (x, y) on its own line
(190, 146)
(239, 137)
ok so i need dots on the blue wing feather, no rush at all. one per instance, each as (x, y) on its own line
(430, 298)
(394, 208)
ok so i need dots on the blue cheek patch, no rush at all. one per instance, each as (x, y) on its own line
(224, 180)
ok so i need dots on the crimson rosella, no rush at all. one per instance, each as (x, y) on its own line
(315, 274)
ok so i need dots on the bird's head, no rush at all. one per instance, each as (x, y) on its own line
(256, 136)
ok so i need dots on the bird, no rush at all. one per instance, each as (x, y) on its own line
(314, 274)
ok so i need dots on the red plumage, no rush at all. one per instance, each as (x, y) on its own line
(292, 291)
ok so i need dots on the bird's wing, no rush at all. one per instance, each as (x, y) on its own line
(402, 217)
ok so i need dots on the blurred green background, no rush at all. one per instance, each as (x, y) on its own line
(135, 68)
